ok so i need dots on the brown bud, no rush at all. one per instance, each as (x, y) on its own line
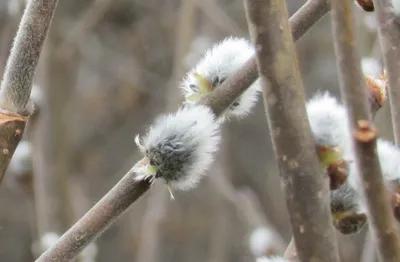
(367, 5)
(377, 87)
(365, 133)
(349, 222)
(338, 173)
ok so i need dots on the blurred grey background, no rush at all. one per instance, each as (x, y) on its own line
(107, 70)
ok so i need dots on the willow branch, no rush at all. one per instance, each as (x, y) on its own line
(307, 193)
(126, 192)
(17, 80)
(380, 216)
(310, 13)
(389, 36)
(20, 68)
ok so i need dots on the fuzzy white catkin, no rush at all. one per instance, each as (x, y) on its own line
(328, 120)
(217, 64)
(21, 161)
(330, 127)
(48, 240)
(260, 239)
(389, 159)
(182, 145)
(370, 66)
(396, 7)
(271, 259)
(329, 124)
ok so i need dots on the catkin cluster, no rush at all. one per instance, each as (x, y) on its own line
(180, 147)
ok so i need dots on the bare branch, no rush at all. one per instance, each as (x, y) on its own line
(234, 86)
(127, 191)
(17, 80)
(380, 215)
(389, 36)
(306, 189)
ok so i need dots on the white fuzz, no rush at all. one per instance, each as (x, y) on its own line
(389, 159)
(328, 120)
(371, 67)
(48, 240)
(21, 161)
(260, 240)
(271, 259)
(179, 147)
(217, 64)
(330, 127)
(396, 7)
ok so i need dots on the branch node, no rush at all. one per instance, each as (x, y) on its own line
(365, 133)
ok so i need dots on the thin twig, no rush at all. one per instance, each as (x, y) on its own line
(306, 190)
(310, 13)
(17, 80)
(120, 197)
(389, 35)
(380, 216)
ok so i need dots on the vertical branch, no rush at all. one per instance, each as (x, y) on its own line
(17, 80)
(380, 216)
(18, 75)
(305, 187)
(389, 36)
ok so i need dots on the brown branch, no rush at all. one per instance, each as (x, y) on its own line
(126, 192)
(389, 36)
(306, 191)
(237, 83)
(380, 216)
(17, 80)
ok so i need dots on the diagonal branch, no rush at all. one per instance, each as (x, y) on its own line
(389, 36)
(103, 214)
(306, 190)
(17, 80)
(380, 215)
(310, 13)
